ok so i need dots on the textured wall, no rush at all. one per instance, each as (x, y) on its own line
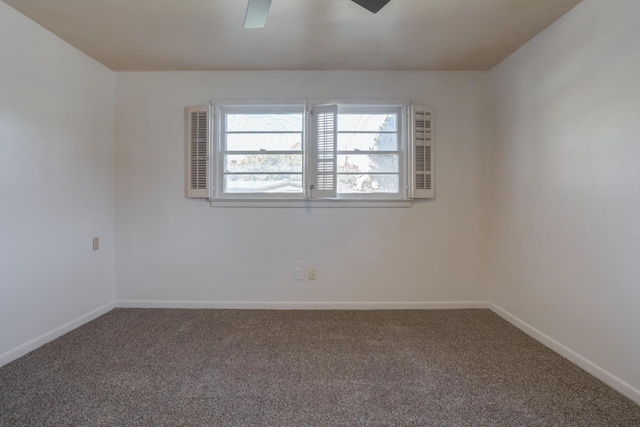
(566, 185)
(56, 182)
(170, 248)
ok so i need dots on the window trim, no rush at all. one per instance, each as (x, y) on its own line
(311, 203)
(303, 199)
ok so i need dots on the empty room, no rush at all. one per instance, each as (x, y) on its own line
(320, 212)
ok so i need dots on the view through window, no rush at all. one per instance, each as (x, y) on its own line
(368, 152)
(263, 151)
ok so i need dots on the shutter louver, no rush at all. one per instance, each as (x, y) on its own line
(323, 158)
(423, 174)
(198, 152)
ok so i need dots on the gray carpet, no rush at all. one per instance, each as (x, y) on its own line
(294, 368)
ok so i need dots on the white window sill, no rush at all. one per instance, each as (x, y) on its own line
(309, 203)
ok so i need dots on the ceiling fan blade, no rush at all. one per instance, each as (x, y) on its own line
(257, 11)
(372, 5)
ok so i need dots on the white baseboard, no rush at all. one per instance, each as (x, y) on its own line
(595, 370)
(31, 345)
(281, 305)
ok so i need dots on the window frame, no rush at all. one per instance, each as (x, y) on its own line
(219, 107)
(403, 142)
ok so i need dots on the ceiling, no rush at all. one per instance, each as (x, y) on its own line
(172, 35)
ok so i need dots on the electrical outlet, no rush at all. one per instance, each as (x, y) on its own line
(312, 273)
(96, 243)
(297, 273)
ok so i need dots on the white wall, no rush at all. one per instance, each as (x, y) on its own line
(170, 248)
(566, 186)
(56, 185)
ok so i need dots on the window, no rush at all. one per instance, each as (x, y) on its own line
(257, 151)
(369, 151)
(261, 150)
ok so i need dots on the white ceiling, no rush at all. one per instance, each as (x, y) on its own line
(299, 34)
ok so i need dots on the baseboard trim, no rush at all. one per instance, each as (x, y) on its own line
(301, 305)
(31, 345)
(605, 376)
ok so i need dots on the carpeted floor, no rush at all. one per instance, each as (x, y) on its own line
(302, 368)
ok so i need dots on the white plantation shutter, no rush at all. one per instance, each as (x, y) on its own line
(322, 151)
(198, 152)
(422, 151)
